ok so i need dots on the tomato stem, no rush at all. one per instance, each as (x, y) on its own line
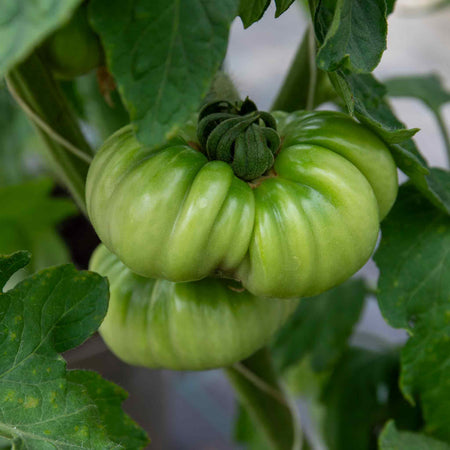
(444, 133)
(305, 86)
(259, 390)
(45, 104)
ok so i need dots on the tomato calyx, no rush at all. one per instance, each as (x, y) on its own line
(257, 181)
(240, 135)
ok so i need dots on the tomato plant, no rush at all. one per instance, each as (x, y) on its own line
(217, 234)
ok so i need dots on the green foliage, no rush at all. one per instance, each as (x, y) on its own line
(352, 33)
(427, 88)
(414, 273)
(28, 216)
(251, 11)
(414, 289)
(18, 143)
(321, 327)
(25, 24)
(392, 439)
(247, 433)
(431, 92)
(102, 115)
(436, 187)
(360, 395)
(170, 50)
(390, 6)
(42, 404)
(364, 96)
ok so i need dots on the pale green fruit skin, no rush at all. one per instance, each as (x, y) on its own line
(183, 326)
(168, 212)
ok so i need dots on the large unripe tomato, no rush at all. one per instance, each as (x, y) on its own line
(307, 225)
(184, 326)
(74, 49)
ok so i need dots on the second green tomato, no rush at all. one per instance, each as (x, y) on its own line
(184, 326)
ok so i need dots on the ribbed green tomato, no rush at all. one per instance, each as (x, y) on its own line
(184, 326)
(308, 225)
(74, 49)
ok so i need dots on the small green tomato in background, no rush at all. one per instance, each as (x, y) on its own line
(73, 49)
(289, 204)
(184, 326)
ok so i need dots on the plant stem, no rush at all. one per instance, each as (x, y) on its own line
(305, 86)
(259, 390)
(444, 133)
(32, 82)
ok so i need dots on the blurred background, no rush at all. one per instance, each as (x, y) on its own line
(195, 411)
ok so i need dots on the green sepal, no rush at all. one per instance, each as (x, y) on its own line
(206, 126)
(220, 142)
(272, 138)
(251, 157)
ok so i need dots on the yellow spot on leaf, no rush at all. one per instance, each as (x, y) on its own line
(83, 431)
(31, 402)
(9, 397)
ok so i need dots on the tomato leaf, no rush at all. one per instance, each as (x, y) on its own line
(351, 33)
(425, 368)
(436, 187)
(427, 88)
(28, 217)
(392, 439)
(412, 257)
(282, 6)
(251, 11)
(414, 293)
(390, 4)
(24, 25)
(42, 404)
(163, 55)
(320, 327)
(430, 91)
(360, 396)
(119, 426)
(364, 97)
(11, 265)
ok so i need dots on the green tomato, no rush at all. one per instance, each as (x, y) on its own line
(73, 49)
(183, 326)
(308, 225)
